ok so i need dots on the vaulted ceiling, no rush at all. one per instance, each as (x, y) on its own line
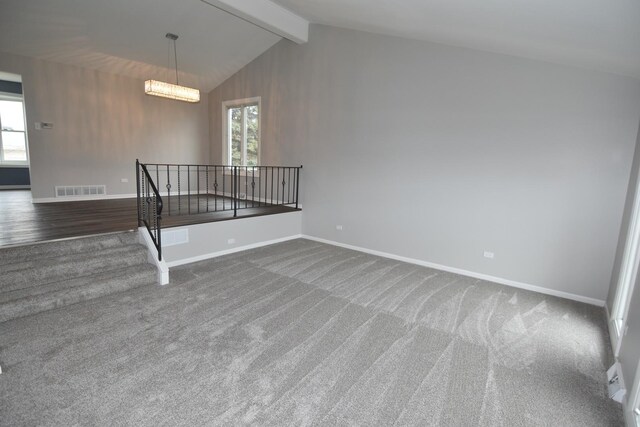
(597, 34)
(127, 37)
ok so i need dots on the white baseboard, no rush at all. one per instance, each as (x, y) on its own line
(230, 251)
(460, 271)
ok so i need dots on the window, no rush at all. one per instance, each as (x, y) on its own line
(241, 132)
(13, 138)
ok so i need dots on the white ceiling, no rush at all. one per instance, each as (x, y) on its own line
(128, 37)
(597, 34)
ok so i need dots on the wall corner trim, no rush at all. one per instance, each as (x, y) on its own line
(499, 280)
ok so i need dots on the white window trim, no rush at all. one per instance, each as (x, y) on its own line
(5, 96)
(225, 125)
(628, 276)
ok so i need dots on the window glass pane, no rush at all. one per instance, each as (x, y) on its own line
(14, 148)
(235, 115)
(252, 135)
(11, 115)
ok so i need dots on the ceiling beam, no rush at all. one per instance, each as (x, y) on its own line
(267, 15)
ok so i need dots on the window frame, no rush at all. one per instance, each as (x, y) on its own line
(236, 103)
(5, 96)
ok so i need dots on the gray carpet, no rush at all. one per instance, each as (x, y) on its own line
(302, 333)
(40, 277)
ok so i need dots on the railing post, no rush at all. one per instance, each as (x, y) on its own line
(159, 227)
(138, 190)
(297, 184)
(234, 190)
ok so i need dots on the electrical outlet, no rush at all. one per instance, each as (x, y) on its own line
(124, 179)
(339, 227)
(488, 254)
(231, 241)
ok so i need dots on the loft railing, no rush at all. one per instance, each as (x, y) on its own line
(149, 205)
(189, 189)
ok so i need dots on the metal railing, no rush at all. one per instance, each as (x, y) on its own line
(189, 189)
(149, 205)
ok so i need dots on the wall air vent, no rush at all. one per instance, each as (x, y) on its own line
(78, 191)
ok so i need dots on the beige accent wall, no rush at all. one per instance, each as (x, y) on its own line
(102, 123)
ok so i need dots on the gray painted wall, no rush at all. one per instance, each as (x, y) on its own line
(213, 237)
(438, 153)
(630, 349)
(102, 123)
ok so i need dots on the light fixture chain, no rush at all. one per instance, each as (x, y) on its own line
(175, 55)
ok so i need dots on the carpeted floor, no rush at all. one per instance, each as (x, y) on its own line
(302, 333)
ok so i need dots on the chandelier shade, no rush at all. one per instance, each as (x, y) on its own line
(171, 91)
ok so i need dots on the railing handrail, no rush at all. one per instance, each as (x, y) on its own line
(221, 166)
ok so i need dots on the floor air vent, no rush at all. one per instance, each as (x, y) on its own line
(80, 190)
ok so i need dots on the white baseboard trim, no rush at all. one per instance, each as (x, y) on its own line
(460, 271)
(15, 187)
(152, 256)
(81, 198)
(230, 251)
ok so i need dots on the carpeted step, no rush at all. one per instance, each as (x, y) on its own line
(60, 285)
(38, 271)
(15, 254)
(59, 294)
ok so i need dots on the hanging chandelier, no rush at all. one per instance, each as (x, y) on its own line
(169, 90)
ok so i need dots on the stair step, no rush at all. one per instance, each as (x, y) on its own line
(47, 288)
(54, 249)
(77, 290)
(53, 269)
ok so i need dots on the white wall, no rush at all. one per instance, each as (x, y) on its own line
(438, 153)
(102, 123)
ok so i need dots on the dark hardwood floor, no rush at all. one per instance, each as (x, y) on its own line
(22, 221)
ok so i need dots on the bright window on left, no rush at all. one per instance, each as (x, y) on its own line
(13, 137)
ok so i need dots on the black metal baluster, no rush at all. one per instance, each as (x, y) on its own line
(246, 186)
(179, 204)
(253, 187)
(206, 169)
(224, 188)
(235, 191)
(283, 184)
(215, 188)
(297, 184)
(168, 192)
(272, 185)
(259, 187)
(288, 185)
(188, 189)
(198, 186)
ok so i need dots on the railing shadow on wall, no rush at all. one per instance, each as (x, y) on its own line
(189, 189)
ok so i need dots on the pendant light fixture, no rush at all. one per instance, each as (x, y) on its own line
(169, 90)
